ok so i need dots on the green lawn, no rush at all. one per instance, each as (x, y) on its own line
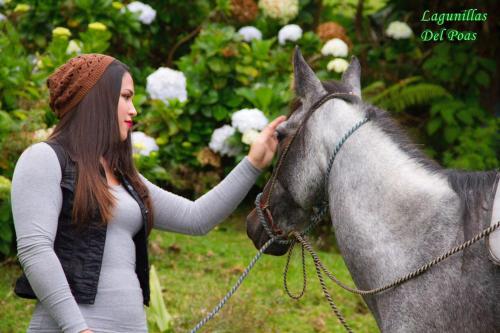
(196, 272)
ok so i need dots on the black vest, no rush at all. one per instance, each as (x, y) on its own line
(80, 250)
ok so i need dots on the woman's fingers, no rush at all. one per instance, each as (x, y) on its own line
(262, 150)
(270, 129)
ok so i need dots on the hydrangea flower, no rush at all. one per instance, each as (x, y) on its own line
(98, 26)
(282, 10)
(143, 144)
(117, 5)
(248, 33)
(219, 143)
(74, 47)
(399, 30)
(338, 65)
(291, 32)
(2, 17)
(249, 136)
(61, 32)
(146, 13)
(335, 47)
(246, 119)
(22, 8)
(165, 84)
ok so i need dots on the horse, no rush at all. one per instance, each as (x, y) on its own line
(392, 209)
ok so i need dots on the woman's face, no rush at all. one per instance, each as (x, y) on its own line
(126, 109)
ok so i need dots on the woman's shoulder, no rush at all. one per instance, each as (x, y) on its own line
(38, 158)
(39, 151)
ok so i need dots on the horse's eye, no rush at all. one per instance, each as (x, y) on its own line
(280, 136)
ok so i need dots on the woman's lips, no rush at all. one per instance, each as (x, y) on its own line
(129, 124)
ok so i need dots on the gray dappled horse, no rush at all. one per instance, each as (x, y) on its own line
(392, 209)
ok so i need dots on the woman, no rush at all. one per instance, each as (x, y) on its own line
(82, 211)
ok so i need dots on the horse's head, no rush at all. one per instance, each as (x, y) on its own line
(297, 183)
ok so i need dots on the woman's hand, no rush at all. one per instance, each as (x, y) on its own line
(263, 148)
(86, 331)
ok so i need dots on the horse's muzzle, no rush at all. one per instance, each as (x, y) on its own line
(259, 237)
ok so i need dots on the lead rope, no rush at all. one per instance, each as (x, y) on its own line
(304, 274)
(320, 267)
(234, 288)
(403, 279)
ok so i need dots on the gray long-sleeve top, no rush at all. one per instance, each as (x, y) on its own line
(36, 203)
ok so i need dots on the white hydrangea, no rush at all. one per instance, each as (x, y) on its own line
(248, 33)
(335, 47)
(399, 30)
(219, 143)
(249, 136)
(291, 32)
(146, 13)
(282, 10)
(166, 83)
(74, 47)
(338, 65)
(246, 119)
(143, 144)
(2, 17)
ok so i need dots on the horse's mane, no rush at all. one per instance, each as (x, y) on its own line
(472, 187)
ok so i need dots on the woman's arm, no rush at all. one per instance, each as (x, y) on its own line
(175, 213)
(36, 203)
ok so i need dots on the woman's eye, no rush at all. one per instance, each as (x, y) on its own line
(126, 96)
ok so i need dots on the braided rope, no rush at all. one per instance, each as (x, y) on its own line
(339, 145)
(405, 278)
(234, 288)
(304, 273)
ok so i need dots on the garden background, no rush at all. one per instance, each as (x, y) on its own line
(208, 75)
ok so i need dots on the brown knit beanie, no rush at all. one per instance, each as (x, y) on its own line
(72, 81)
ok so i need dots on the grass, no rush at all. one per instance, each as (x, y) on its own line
(196, 272)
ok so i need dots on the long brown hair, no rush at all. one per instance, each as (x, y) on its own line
(91, 130)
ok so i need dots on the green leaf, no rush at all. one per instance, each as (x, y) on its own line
(194, 137)
(465, 116)
(434, 125)
(264, 96)
(211, 98)
(260, 48)
(157, 309)
(482, 78)
(184, 123)
(218, 66)
(451, 133)
(447, 114)
(219, 112)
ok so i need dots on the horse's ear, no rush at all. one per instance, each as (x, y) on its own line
(352, 76)
(307, 86)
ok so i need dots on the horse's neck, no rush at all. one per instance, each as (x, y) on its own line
(387, 210)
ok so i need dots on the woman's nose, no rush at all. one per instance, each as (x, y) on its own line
(133, 111)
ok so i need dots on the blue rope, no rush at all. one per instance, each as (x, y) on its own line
(234, 288)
